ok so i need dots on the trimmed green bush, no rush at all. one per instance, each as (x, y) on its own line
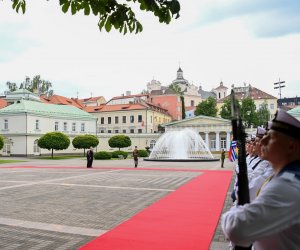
(143, 153)
(116, 154)
(102, 155)
(119, 141)
(1, 142)
(54, 141)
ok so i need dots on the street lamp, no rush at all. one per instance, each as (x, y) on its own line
(279, 85)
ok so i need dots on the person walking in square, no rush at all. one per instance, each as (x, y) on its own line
(222, 158)
(135, 155)
(90, 157)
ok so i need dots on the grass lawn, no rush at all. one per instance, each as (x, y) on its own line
(60, 157)
(9, 161)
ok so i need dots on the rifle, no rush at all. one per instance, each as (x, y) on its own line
(239, 136)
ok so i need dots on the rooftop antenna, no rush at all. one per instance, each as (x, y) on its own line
(279, 85)
(91, 94)
(77, 94)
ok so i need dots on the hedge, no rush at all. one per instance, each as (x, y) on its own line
(102, 155)
(116, 154)
(143, 153)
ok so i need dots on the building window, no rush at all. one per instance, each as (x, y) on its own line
(36, 148)
(140, 118)
(116, 119)
(109, 120)
(223, 144)
(178, 109)
(192, 103)
(82, 129)
(124, 131)
(272, 106)
(65, 126)
(132, 131)
(56, 126)
(151, 119)
(140, 131)
(213, 145)
(116, 131)
(5, 124)
(102, 131)
(37, 124)
(124, 119)
(73, 126)
(109, 131)
(102, 120)
(131, 119)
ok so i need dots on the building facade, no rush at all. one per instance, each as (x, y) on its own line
(215, 132)
(24, 122)
(137, 118)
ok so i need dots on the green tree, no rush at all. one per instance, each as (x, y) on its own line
(113, 14)
(225, 112)
(119, 141)
(36, 85)
(1, 142)
(263, 115)
(248, 112)
(54, 140)
(176, 88)
(207, 107)
(12, 86)
(85, 141)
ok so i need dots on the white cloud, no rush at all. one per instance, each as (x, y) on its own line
(71, 52)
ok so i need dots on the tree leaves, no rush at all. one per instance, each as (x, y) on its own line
(113, 14)
(17, 4)
(36, 85)
(207, 107)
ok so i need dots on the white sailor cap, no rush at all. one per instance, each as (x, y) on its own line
(260, 132)
(253, 137)
(286, 124)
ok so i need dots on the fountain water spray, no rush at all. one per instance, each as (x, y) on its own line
(180, 145)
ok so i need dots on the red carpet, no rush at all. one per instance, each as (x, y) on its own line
(185, 219)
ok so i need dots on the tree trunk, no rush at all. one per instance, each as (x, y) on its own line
(52, 152)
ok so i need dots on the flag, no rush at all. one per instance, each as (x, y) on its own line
(233, 151)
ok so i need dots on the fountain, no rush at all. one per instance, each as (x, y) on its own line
(180, 145)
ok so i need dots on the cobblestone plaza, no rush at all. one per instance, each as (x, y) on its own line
(64, 208)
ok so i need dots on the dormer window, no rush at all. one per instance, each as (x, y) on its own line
(37, 124)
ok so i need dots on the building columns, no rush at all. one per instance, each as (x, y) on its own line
(228, 141)
(217, 141)
(206, 140)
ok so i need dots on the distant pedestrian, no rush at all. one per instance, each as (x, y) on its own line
(90, 157)
(222, 158)
(135, 155)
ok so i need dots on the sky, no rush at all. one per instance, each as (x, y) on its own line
(237, 42)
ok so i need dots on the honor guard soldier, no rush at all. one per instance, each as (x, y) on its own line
(272, 220)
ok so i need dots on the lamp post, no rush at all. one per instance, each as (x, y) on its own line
(279, 85)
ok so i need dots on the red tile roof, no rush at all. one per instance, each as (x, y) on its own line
(128, 96)
(253, 93)
(90, 99)
(3, 103)
(117, 107)
(61, 100)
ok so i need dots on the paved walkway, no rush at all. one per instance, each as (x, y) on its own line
(64, 208)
